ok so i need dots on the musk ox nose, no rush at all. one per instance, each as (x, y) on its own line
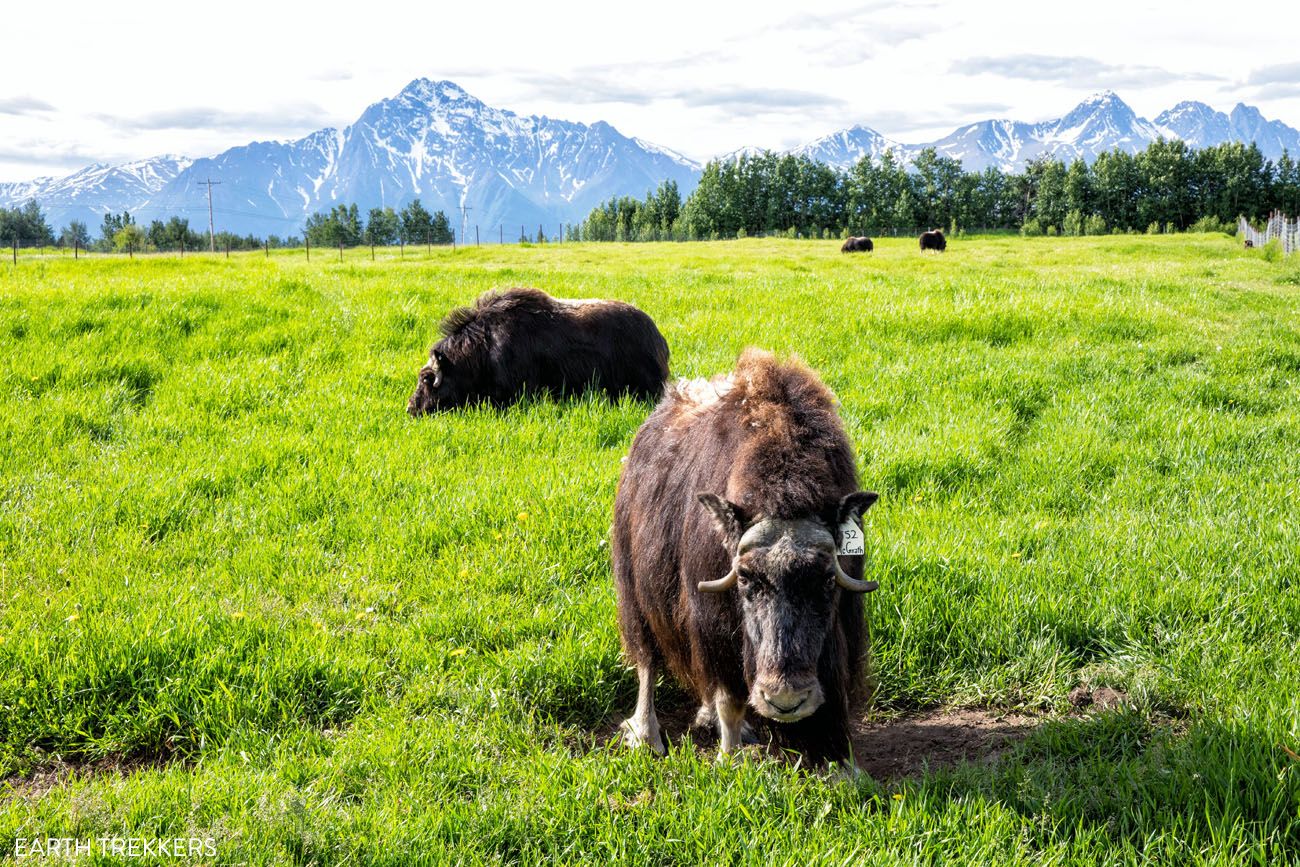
(785, 701)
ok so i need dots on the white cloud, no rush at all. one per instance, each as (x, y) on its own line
(700, 78)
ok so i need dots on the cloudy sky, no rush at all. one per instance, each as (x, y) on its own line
(83, 83)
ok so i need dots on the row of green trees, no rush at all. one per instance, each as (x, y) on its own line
(1167, 185)
(120, 233)
(26, 225)
(383, 226)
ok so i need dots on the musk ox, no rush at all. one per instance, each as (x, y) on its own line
(726, 529)
(934, 240)
(524, 340)
(857, 245)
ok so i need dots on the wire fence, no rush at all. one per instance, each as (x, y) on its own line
(1278, 227)
(12, 249)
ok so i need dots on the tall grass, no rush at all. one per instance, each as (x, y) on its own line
(329, 633)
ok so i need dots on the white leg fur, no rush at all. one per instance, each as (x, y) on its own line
(642, 728)
(731, 719)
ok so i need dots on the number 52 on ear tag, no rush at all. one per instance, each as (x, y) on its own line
(852, 542)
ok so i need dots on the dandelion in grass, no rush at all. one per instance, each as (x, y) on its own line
(522, 517)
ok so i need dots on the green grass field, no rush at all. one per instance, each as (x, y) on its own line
(244, 597)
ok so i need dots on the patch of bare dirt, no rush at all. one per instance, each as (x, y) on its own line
(929, 740)
(892, 748)
(58, 773)
(1082, 698)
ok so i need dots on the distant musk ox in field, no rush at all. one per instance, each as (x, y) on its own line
(934, 240)
(1249, 244)
(726, 527)
(857, 245)
(522, 340)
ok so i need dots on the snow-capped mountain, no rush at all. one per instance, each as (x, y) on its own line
(848, 146)
(88, 194)
(432, 141)
(1101, 123)
(435, 142)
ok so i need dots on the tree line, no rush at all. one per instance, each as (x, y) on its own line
(121, 233)
(383, 226)
(1167, 187)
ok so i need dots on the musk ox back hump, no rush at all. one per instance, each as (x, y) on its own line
(522, 340)
(934, 240)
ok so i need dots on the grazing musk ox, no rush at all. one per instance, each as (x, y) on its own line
(857, 245)
(524, 340)
(726, 527)
(934, 240)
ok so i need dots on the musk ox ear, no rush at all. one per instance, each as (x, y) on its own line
(853, 506)
(440, 365)
(727, 517)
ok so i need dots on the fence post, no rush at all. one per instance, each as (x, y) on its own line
(308, 240)
(15, 249)
(340, 249)
(76, 249)
(476, 234)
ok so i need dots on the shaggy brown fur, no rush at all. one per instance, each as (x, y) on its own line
(857, 245)
(524, 340)
(933, 240)
(769, 440)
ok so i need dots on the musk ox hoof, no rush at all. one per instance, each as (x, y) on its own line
(739, 755)
(635, 738)
(706, 718)
(845, 772)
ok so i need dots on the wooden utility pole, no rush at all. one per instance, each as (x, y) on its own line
(212, 235)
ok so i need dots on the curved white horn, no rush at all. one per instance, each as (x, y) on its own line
(852, 584)
(726, 582)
